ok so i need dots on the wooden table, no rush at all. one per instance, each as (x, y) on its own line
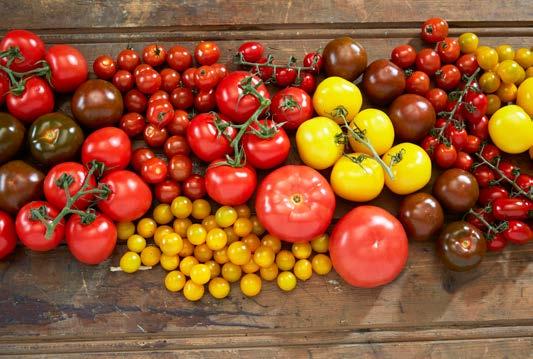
(52, 305)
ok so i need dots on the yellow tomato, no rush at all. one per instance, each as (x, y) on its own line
(196, 234)
(334, 96)
(487, 57)
(225, 216)
(510, 71)
(286, 281)
(193, 291)
(243, 226)
(250, 267)
(231, 272)
(171, 244)
(162, 214)
(320, 244)
(269, 273)
(239, 253)
(216, 239)
(507, 92)
(321, 264)
(221, 256)
(524, 96)
(125, 230)
(252, 241)
(243, 211)
(187, 250)
(200, 209)
(174, 281)
(160, 232)
(301, 250)
(232, 236)
(180, 226)
(410, 166)
(511, 129)
(489, 82)
(209, 222)
(494, 103)
(505, 52)
(264, 256)
(377, 128)
(203, 253)
(285, 260)
(187, 263)
(258, 228)
(529, 72)
(303, 269)
(219, 288)
(130, 262)
(169, 262)
(181, 207)
(271, 241)
(200, 274)
(468, 42)
(524, 57)
(150, 256)
(250, 284)
(214, 267)
(357, 177)
(136, 243)
(146, 227)
(318, 142)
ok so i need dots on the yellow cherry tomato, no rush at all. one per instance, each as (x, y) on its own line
(216, 239)
(150, 256)
(180, 226)
(125, 230)
(489, 82)
(336, 97)
(232, 236)
(231, 272)
(505, 52)
(225, 216)
(209, 222)
(250, 284)
(169, 262)
(286, 281)
(239, 253)
(285, 260)
(174, 281)
(243, 226)
(252, 242)
(318, 142)
(162, 214)
(411, 168)
(146, 227)
(301, 250)
(524, 57)
(203, 253)
(510, 71)
(321, 243)
(511, 129)
(271, 241)
(187, 263)
(269, 273)
(200, 274)
(136, 243)
(468, 42)
(130, 262)
(258, 228)
(219, 288)
(243, 211)
(487, 57)
(529, 72)
(524, 96)
(303, 269)
(377, 128)
(357, 177)
(188, 248)
(264, 256)
(193, 291)
(171, 244)
(221, 256)
(250, 267)
(181, 207)
(507, 92)
(196, 234)
(494, 103)
(214, 267)
(321, 264)
(160, 232)
(200, 209)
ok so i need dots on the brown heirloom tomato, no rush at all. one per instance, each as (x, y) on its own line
(344, 57)
(461, 246)
(97, 103)
(383, 81)
(421, 215)
(456, 189)
(11, 136)
(412, 117)
(20, 183)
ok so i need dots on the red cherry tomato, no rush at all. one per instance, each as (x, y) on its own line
(166, 191)
(467, 64)
(403, 56)
(230, 186)
(417, 83)
(221, 70)
(104, 67)
(132, 123)
(109, 145)
(154, 55)
(252, 51)
(176, 145)
(206, 53)
(56, 195)
(429, 143)
(428, 61)
(314, 60)
(32, 232)
(293, 106)
(512, 208)
(68, 68)
(285, 76)
(205, 101)
(140, 69)
(179, 123)
(484, 175)
(188, 77)
(179, 58)
(205, 78)
(4, 86)
(170, 79)
(8, 238)
(123, 80)
(128, 59)
(475, 221)
(307, 82)
(154, 170)
(448, 50)
(182, 98)
(140, 156)
(457, 137)
(464, 161)
(148, 81)
(264, 153)
(518, 232)
(489, 194)
(448, 77)
(480, 129)
(154, 136)
(472, 144)
(265, 72)
(525, 182)
(159, 113)
(438, 99)
(490, 152)
(30, 46)
(476, 104)
(179, 167)
(434, 30)
(205, 140)
(159, 95)
(36, 100)
(194, 187)
(135, 101)
(445, 156)
(497, 243)
(508, 169)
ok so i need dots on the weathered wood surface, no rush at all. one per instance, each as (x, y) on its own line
(52, 305)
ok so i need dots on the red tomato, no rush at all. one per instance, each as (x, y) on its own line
(206, 53)
(508, 169)
(36, 100)
(403, 56)
(264, 153)
(445, 156)
(307, 82)
(179, 167)
(438, 99)
(154, 55)
(467, 64)
(140, 156)
(484, 175)
(194, 187)
(179, 58)
(448, 50)
(512, 208)
(155, 137)
(448, 77)
(480, 129)
(132, 123)
(91, 243)
(104, 67)
(476, 104)
(135, 101)
(130, 197)
(368, 247)
(166, 191)
(490, 152)
(159, 95)
(457, 137)
(428, 61)
(55, 194)
(68, 68)
(148, 81)
(525, 182)
(205, 78)
(159, 113)
(497, 243)
(295, 203)
(32, 232)
(154, 170)
(30, 46)
(205, 140)
(231, 100)
(188, 77)
(464, 161)
(473, 220)
(230, 186)
(123, 80)
(285, 76)
(170, 79)
(293, 106)
(252, 51)
(265, 72)
(518, 232)
(109, 145)
(176, 145)
(205, 101)
(4, 86)
(179, 123)
(472, 144)
(221, 70)
(8, 238)
(314, 60)
(140, 69)
(128, 59)
(417, 83)
(489, 194)
(182, 98)
(429, 143)
(434, 30)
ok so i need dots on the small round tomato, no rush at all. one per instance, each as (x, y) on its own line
(472, 144)
(32, 232)
(403, 56)
(205, 101)
(377, 128)
(8, 238)
(448, 77)
(179, 58)
(30, 48)
(159, 95)
(132, 123)
(188, 77)
(170, 79)
(284, 76)
(467, 64)
(221, 70)
(154, 170)
(123, 80)
(489, 194)
(429, 144)
(205, 78)
(428, 61)
(139, 156)
(480, 129)
(291, 106)
(159, 113)
(337, 98)
(166, 191)
(36, 100)
(108, 145)
(179, 123)
(128, 59)
(457, 136)
(525, 182)
(251, 51)
(56, 195)
(487, 57)
(264, 153)
(179, 167)
(314, 60)
(206, 53)
(468, 42)
(434, 30)
(489, 82)
(182, 98)
(484, 175)
(318, 142)
(445, 155)
(230, 186)
(194, 187)
(410, 166)
(417, 83)
(511, 129)
(307, 82)
(154, 136)
(148, 81)
(448, 50)
(135, 101)
(438, 98)
(176, 145)
(104, 67)
(464, 161)
(204, 138)
(475, 106)
(357, 177)
(154, 55)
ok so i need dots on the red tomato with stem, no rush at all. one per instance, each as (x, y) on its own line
(448, 77)
(484, 175)
(123, 80)
(139, 156)
(252, 51)
(32, 232)
(205, 78)
(148, 81)
(428, 61)
(230, 186)
(194, 187)
(448, 50)
(472, 144)
(490, 152)
(179, 123)
(166, 191)
(467, 64)
(285, 76)
(30, 46)
(4, 86)
(68, 68)
(221, 70)
(291, 106)
(128, 59)
(480, 129)
(179, 167)
(508, 169)
(182, 98)
(264, 153)
(429, 143)
(476, 104)
(135, 101)
(132, 123)
(154, 136)
(176, 145)
(154, 55)
(159, 113)
(525, 182)
(170, 79)
(206, 53)
(56, 195)
(104, 67)
(438, 98)
(512, 208)
(417, 83)
(445, 155)
(205, 140)
(8, 237)
(457, 136)
(36, 100)
(154, 170)
(518, 232)
(109, 145)
(314, 60)
(403, 56)
(179, 58)
(265, 72)
(434, 30)
(489, 194)
(497, 243)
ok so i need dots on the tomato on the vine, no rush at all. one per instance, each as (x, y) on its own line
(109, 145)
(403, 56)
(417, 83)
(497, 243)
(457, 136)
(230, 186)
(472, 144)
(206, 53)
(154, 55)
(307, 82)
(128, 59)
(8, 238)
(429, 143)
(36, 100)
(445, 155)
(4, 86)
(434, 30)
(411, 168)
(314, 60)
(476, 105)
(32, 231)
(179, 58)
(490, 152)
(55, 194)
(467, 64)
(489, 194)
(464, 161)
(448, 50)
(264, 153)
(30, 46)
(291, 106)
(251, 51)
(284, 76)
(518, 232)
(68, 68)
(525, 182)
(204, 138)
(159, 113)
(484, 175)
(480, 129)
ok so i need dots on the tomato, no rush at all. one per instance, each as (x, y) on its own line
(132, 124)
(510, 71)
(489, 194)
(176, 145)
(128, 59)
(205, 78)
(188, 77)
(291, 106)
(179, 123)
(139, 156)
(232, 101)
(264, 153)
(511, 129)
(368, 247)
(30, 46)
(284, 76)
(403, 56)
(31, 232)
(179, 58)
(438, 99)
(357, 177)
(512, 208)
(480, 129)
(4, 86)
(307, 82)
(334, 94)
(182, 98)
(135, 101)
(179, 167)
(295, 203)
(524, 57)
(154, 170)
(518, 232)
(445, 155)
(140, 69)
(68, 68)
(429, 144)
(464, 161)
(417, 83)
(472, 144)
(148, 81)
(448, 50)
(194, 187)
(486, 57)
(206, 53)
(159, 95)
(448, 77)
(170, 79)
(413, 170)
(36, 100)
(378, 130)
(123, 80)
(497, 243)
(489, 82)
(476, 106)
(204, 139)
(467, 64)
(525, 182)
(108, 145)
(318, 142)
(130, 197)
(428, 61)
(490, 152)
(484, 175)
(8, 238)
(524, 96)
(155, 137)
(91, 243)
(266, 72)
(55, 194)
(457, 136)
(159, 113)
(104, 67)
(314, 60)
(154, 55)
(166, 191)
(434, 30)
(230, 186)
(468, 42)
(252, 51)
(205, 101)
(221, 70)
(508, 169)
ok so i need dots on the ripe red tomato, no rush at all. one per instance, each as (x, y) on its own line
(8, 238)
(182, 98)
(140, 156)
(457, 136)
(132, 123)
(448, 50)
(230, 186)
(489, 194)
(159, 113)
(140, 69)
(130, 197)
(497, 243)
(36, 100)
(264, 153)
(464, 161)
(403, 56)
(135, 101)
(417, 83)
(205, 78)
(265, 72)
(480, 129)
(525, 182)
(159, 95)
(292, 106)
(448, 77)
(472, 144)
(518, 232)
(484, 175)
(179, 167)
(206, 53)
(295, 203)
(154, 55)
(507, 168)
(68, 68)
(179, 123)
(445, 156)
(188, 77)
(55, 194)
(221, 70)
(31, 49)
(476, 106)
(467, 64)
(31, 232)
(205, 101)
(166, 191)
(307, 82)
(428, 61)
(176, 145)
(91, 243)
(123, 80)
(252, 51)
(285, 76)
(4, 86)
(434, 30)
(194, 187)
(155, 137)
(154, 170)
(148, 81)
(438, 98)
(179, 58)
(368, 247)
(109, 145)
(314, 60)
(205, 140)
(490, 152)
(429, 143)
(128, 59)
(231, 99)
(170, 79)
(104, 67)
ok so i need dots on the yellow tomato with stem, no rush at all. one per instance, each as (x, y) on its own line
(511, 129)
(410, 166)
(524, 96)
(320, 142)
(335, 95)
(376, 127)
(468, 42)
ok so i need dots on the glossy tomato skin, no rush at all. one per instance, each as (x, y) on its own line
(438, 98)
(194, 187)
(139, 156)
(179, 167)
(292, 106)
(159, 113)
(166, 191)
(135, 101)
(252, 51)
(97, 103)
(307, 82)
(202, 135)
(154, 170)
(428, 60)
(179, 123)
(434, 30)
(403, 56)
(368, 247)
(104, 67)
(36, 100)
(123, 80)
(179, 58)
(132, 123)
(20, 183)
(130, 197)
(182, 98)
(206, 53)
(109, 145)
(128, 59)
(230, 186)
(32, 232)
(176, 145)
(31, 48)
(295, 203)
(68, 67)
(205, 100)
(264, 153)
(8, 237)
(154, 55)
(91, 243)
(461, 246)
(55, 195)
